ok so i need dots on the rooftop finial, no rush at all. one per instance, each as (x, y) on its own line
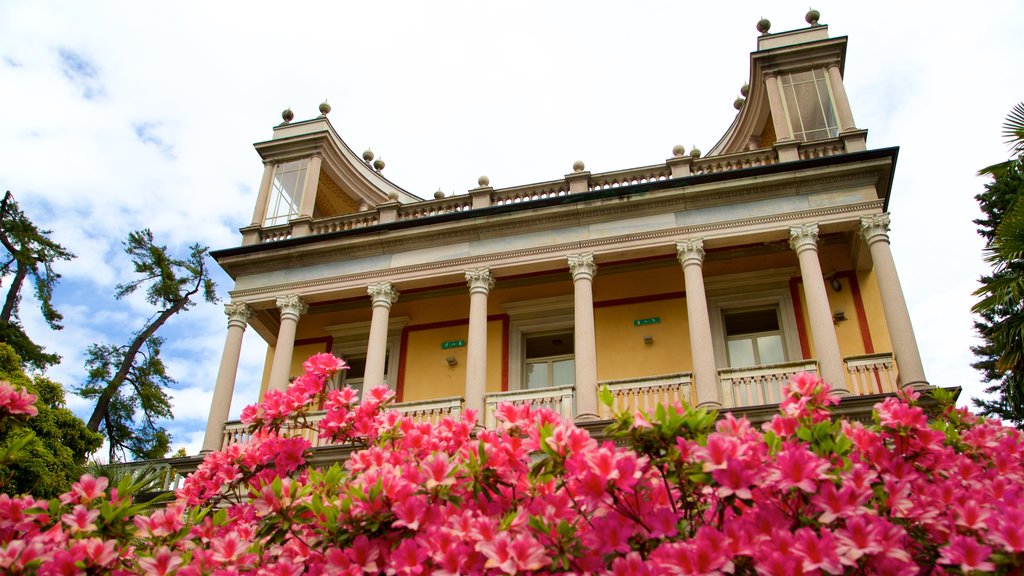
(812, 16)
(483, 181)
(578, 166)
(695, 152)
(367, 155)
(439, 194)
(763, 25)
(678, 151)
(325, 108)
(287, 115)
(378, 164)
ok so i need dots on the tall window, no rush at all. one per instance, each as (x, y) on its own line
(754, 337)
(286, 192)
(808, 102)
(549, 360)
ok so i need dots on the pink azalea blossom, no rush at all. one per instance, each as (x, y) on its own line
(16, 402)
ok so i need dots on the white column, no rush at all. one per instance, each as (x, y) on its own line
(901, 332)
(382, 295)
(480, 283)
(804, 239)
(260, 213)
(291, 308)
(238, 317)
(583, 269)
(842, 102)
(702, 350)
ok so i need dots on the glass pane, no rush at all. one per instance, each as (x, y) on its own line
(769, 349)
(564, 372)
(751, 322)
(541, 346)
(810, 107)
(537, 375)
(741, 353)
(356, 367)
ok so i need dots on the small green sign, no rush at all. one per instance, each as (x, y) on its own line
(453, 344)
(647, 321)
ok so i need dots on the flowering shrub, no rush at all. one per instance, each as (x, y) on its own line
(683, 494)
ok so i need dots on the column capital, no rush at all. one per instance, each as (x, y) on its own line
(690, 251)
(875, 227)
(382, 294)
(803, 237)
(479, 280)
(291, 305)
(582, 266)
(238, 314)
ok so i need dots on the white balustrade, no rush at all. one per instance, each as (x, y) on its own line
(558, 399)
(646, 393)
(872, 374)
(729, 162)
(759, 385)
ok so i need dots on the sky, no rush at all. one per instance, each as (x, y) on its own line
(116, 116)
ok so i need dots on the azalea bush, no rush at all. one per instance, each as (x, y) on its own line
(678, 492)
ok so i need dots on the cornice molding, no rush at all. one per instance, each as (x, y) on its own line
(495, 260)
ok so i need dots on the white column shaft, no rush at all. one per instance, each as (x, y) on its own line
(826, 346)
(702, 350)
(476, 352)
(583, 270)
(383, 295)
(779, 121)
(308, 201)
(291, 307)
(260, 213)
(894, 305)
(220, 406)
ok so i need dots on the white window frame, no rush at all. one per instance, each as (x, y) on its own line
(801, 135)
(273, 215)
(747, 291)
(531, 317)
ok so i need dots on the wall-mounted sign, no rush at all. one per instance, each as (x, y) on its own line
(647, 321)
(453, 344)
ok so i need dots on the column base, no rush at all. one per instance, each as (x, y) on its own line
(587, 417)
(709, 405)
(917, 385)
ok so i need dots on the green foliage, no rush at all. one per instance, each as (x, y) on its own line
(27, 254)
(54, 444)
(130, 422)
(1000, 320)
(127, 382)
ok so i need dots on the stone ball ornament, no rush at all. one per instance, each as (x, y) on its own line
(367, 155)
(325, 108)
(678, 151)
(287, 115)
(578, 166)
(764, 25)
(812, 17)
(483, 181)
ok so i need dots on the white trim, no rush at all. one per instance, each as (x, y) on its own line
(530, 317)
(770, 294)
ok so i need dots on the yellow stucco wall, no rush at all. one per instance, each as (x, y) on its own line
(427, 373)
(873, 307)
(621, 351)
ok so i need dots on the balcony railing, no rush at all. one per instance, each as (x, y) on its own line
(558, 398)
(759, 385)
(872, 374)
(674, 168)
(646, 393)
(432, 411)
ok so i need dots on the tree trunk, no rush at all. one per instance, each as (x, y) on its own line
(13, 293)
(103, 402)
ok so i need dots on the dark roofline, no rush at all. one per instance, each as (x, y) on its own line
(691, 180)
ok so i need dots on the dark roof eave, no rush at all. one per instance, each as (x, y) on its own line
(891, 152)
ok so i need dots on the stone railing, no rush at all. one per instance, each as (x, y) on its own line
(822, 149)
(528, 193)
(619, 178)
(646, 393)
(432, 411)
(872, 374)
(346, 222)
(559, 399)
(759, 385)
(434, 207)
(677, 167)
(730, 162)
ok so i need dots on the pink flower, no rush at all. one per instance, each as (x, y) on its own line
(797, 467)
(81, 519)
(324, 364)
(967, 553)
(408, 558)
(85, 490)
(161, 563)
(14, 402)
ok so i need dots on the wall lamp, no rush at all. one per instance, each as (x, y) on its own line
(648, 339)
(838, 316)
(834, 282)
(451, 361)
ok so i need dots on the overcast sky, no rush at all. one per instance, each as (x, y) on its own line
(119, 116)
